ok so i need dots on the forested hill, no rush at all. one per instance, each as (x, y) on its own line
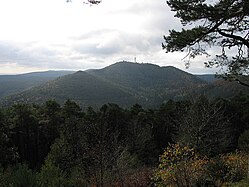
(147, 76)
(10, 84)
(210, 78)
(124, 83)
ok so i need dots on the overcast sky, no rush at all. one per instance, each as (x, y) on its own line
(37, 35)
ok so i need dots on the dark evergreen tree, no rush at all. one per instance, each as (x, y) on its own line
(68, 150)
(8, 153)
(167, 120)
(141, 141)
(50, 120)
(25, 133)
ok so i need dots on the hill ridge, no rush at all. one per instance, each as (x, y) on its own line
(124, 83)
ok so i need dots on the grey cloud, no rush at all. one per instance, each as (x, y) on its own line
(96, 49)
(158, 15)
(28, 54)
(7, 51)
(113, 42)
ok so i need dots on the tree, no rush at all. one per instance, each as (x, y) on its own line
(23, 176)
(8, 154)
(141, 140)
(69, 149)
(107, 149)
(25, 133)
(167, 121)
(49, 125)
(206, 128)
(222, 23)
(50, 175)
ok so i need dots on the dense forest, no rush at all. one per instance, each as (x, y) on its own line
(196, 142)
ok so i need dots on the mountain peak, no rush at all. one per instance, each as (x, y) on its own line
(133, 64)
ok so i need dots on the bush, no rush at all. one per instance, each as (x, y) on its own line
(216, 172)
(237, 165)
(179, 166)
(227, 169)
(242, 183)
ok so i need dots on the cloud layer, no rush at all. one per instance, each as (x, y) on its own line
(60, 35)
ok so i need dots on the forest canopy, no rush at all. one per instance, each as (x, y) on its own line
(54, 145)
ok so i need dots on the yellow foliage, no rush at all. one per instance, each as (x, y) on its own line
(182, 166)
(179, 166)
(237, 165)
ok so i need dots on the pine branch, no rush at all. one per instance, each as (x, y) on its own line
(242, 83)
(243, 40)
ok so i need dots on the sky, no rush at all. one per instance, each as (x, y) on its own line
(39, 35)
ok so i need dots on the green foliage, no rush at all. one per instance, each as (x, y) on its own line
(167, 120)
(140, 134)
(177, 41)
(23, 176)
(12, 84)
(114, 146)
(241, 183)
(50, 175)
(24, 125)
(8, 153)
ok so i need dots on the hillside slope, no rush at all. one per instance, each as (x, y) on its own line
(80, 86)
(11, 84)
(225, 89)
(151, 82)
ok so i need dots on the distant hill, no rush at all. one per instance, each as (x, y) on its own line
(150, 82)
(225, 89)
(124, 83)
(210, 78)
(11, 84)
(80, 86)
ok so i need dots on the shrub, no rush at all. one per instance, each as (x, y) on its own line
(226, 169)
(237, 165)
(179, 166)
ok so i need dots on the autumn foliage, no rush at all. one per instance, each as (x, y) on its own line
(179, 166)
(183, 166)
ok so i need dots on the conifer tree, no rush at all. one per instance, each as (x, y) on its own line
(221, 23)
